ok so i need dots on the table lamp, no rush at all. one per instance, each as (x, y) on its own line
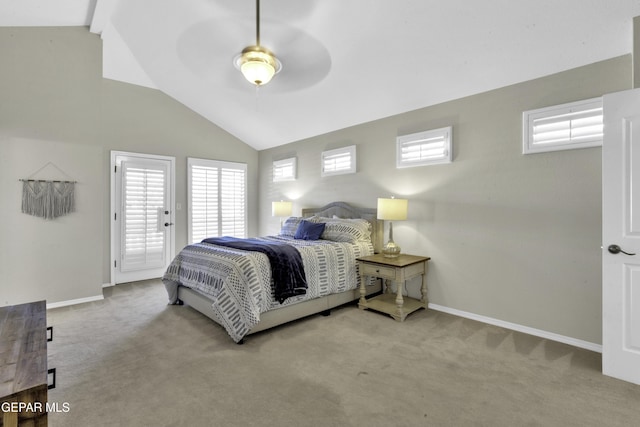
(281, 209)
(392, 210)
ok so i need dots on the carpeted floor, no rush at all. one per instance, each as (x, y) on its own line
(132, 360)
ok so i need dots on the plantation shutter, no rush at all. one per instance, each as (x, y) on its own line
(339, 161)
(232, 202)
(217, 199)
(573, 125)
(143, 231)
(204, 202)
(284, 170)
(424, 148)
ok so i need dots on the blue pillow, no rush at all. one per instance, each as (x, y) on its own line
(309, 230)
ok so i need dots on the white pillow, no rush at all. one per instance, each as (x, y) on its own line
(345, 229)
(290, 226)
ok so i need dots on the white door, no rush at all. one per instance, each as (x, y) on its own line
(621, 236)
(142, 233)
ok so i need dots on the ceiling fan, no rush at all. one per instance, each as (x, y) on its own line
(307, 60)
(204, 47)
(257, 63)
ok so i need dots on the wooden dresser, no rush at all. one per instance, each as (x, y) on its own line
(23, 365)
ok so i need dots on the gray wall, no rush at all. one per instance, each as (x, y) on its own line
(55, 260)
(514, 238)
(55, 106)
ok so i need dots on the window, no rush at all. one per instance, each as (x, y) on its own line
(144, 188)
(339, 161)
(424, 148)
(284, 170)
(563, 127)
(217, 199)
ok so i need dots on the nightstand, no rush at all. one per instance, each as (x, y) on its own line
(404, 267)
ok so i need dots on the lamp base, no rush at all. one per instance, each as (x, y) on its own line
(391, 250)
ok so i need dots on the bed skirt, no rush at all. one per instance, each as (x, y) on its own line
(276, 317)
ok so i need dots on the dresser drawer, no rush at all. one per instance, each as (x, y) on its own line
(378, 271)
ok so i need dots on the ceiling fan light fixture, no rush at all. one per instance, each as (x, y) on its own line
(257, 64)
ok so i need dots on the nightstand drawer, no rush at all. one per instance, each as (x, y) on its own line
(378, 271)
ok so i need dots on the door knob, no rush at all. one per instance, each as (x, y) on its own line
(166, 224)
(615, 249)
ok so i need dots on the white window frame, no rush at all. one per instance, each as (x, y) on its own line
(345, 153)
(285, 170)
(219, 164)
(436, 144)
(567, 114)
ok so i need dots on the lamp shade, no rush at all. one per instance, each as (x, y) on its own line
(257, 72)
(257, 64)
(281, 208)
(392, 209)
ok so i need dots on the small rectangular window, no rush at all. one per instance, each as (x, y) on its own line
(424, 148)
(339, 161)
(284, 170)
(563, 127)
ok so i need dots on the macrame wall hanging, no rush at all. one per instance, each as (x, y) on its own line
(48, 198)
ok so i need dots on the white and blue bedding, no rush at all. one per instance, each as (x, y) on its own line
(287, 270)
(239, 282)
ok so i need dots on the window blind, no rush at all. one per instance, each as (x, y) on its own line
(423, 148)
(232, 202)
(339, 161)
(143, 231)
(574, 125)
(204, 207)
(217, 199)
(284, 170)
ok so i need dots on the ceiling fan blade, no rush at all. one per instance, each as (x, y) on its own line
(208, 47)
(305, 61)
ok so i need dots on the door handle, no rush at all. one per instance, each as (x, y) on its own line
(166, 224)
(615, 249)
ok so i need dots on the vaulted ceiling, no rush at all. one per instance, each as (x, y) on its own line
(345, 62)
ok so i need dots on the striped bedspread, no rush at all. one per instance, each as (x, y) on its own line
(239, 282)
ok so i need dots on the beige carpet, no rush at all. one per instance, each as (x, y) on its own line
(131, 360)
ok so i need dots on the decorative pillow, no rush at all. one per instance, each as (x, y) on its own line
(309, 230)
(290, 226)
(345, 230)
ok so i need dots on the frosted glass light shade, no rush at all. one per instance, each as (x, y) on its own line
(257, 64)
(281, 209)
(257, 72)
(392, 209)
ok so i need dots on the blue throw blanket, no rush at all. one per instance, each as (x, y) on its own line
(287, 270)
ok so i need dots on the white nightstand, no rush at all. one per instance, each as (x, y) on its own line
(400, 269)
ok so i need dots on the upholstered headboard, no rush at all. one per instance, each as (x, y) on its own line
(345, 210)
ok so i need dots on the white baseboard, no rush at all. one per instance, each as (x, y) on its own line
(74, 301)
(520, 328)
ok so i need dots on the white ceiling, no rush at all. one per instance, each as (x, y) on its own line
(344, 62)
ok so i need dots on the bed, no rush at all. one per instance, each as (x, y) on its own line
(234, 287)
